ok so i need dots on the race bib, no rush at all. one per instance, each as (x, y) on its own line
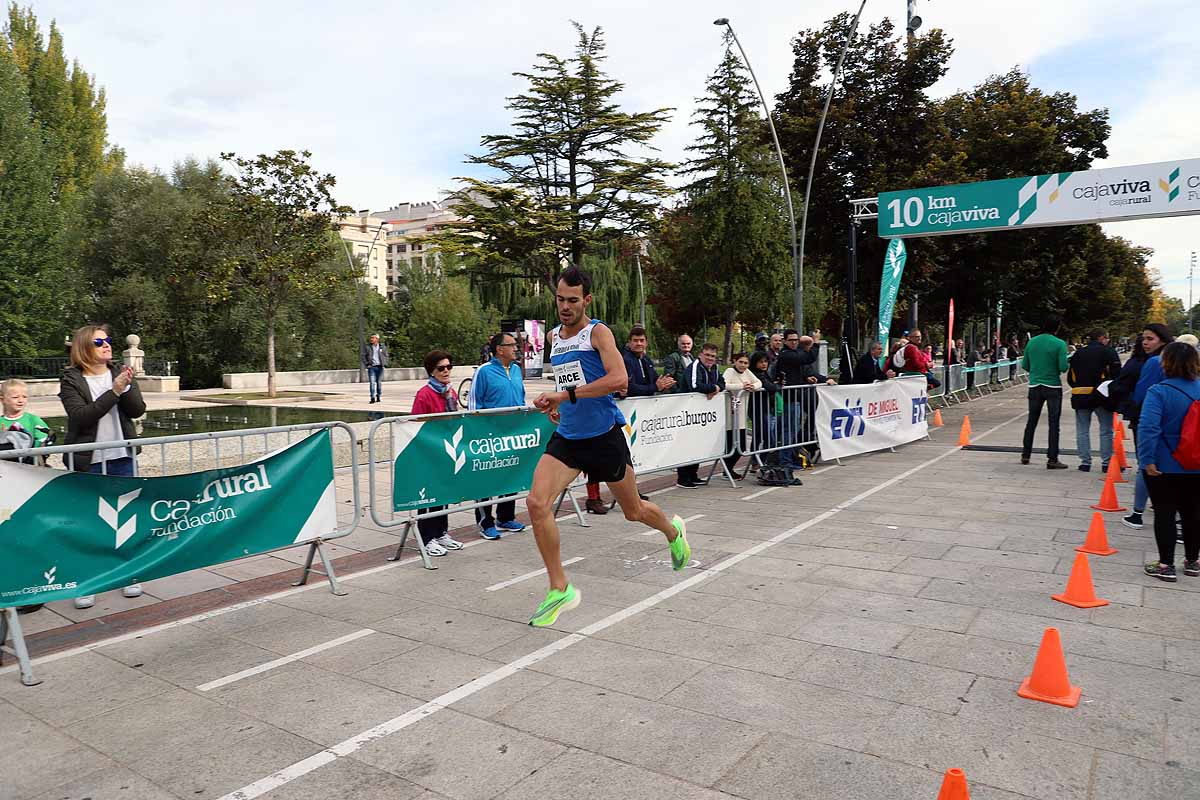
(569, 375)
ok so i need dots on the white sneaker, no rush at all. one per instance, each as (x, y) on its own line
(132, 591)
(87, 601)
(450, 544)
(434, 548)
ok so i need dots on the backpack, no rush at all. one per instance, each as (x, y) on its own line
(1187, 453)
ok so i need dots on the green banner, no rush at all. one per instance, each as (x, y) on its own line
(889, 287)
(66, 534)
(1141, 191)
(447, 460)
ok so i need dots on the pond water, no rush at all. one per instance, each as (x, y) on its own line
(205, 419)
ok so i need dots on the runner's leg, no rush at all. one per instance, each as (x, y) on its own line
(638, 510)
(550, 478)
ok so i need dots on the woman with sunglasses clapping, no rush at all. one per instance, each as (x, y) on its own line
(101, 400)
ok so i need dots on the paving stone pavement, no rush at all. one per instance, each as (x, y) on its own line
(869, 641)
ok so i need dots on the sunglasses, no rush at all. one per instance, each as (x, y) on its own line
(441, 367)
(101, 342)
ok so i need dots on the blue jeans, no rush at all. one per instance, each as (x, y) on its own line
(790, 431)
(1083, 434)
(121, 467)
(374, 381)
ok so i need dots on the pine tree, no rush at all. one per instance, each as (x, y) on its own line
(567, 179)
(731, 257)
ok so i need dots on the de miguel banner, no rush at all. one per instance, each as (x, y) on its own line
(1165, 189)
(66, 534)
(447, 460)
(862, 418)
(673, 429)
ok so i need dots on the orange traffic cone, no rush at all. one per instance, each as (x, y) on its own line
(964, 433)
(937, 418)
(1119, 451)
(1097, 539)
(1114, 469)
(1049, 681)
(1118, 424)
(954, 786)
(1080, 591)
(1108, 498)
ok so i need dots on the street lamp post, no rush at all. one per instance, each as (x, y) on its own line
(637, 259)
(361, 299)
(797, 254)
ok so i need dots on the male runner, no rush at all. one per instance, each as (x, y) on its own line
(588, 368)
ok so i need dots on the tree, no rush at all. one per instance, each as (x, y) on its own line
(446, 319)
(65, 103)
(29, 219)
(731, 255)
(566, 180)
(275, 228)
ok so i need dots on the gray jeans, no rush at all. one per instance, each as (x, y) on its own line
(1083, 434)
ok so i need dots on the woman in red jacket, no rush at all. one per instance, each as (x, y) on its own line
(436, 397)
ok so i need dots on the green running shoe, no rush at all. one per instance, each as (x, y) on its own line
(681, 551)
(555, 603)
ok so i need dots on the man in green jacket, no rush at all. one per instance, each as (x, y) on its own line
(1045, 359)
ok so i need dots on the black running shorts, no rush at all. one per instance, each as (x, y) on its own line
(604, 457)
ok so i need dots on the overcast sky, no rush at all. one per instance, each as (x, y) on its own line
(390, 96)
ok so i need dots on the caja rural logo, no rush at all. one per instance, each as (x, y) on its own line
(631, 428)
(493, 447)
(1170, 185)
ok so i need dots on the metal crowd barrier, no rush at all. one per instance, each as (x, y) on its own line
(176, 455)
(381, 466)
(768, 432)
(385, 455)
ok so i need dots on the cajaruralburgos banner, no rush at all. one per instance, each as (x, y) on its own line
(861, 418)
(447, 460)
(66, 534)
(673, 429)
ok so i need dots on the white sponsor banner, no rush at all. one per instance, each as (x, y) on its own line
(673, 429)
(862, 418)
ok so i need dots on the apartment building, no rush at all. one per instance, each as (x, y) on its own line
(364, 234)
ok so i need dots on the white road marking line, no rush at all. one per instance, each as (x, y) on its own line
(761, 492)
(657, 492)
(355, 743)
(824, 469)
(527, 576)
(279, 662)
(652, 531)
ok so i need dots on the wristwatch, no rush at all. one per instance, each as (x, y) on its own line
(571, 394)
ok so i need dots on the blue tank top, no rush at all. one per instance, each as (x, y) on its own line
(575, 363)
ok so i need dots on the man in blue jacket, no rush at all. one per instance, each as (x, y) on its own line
(498, 384)
(700, 376)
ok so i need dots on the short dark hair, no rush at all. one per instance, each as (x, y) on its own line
(789, 332)
(637, 330)
(740, 356)
(709, 348)
(434, 357)
(498, 339)
(1051, 323)
(758, 356)
(1096, 335)
(574, 276)
(1180, 360)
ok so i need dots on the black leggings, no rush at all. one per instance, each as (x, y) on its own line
(1175, 493)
